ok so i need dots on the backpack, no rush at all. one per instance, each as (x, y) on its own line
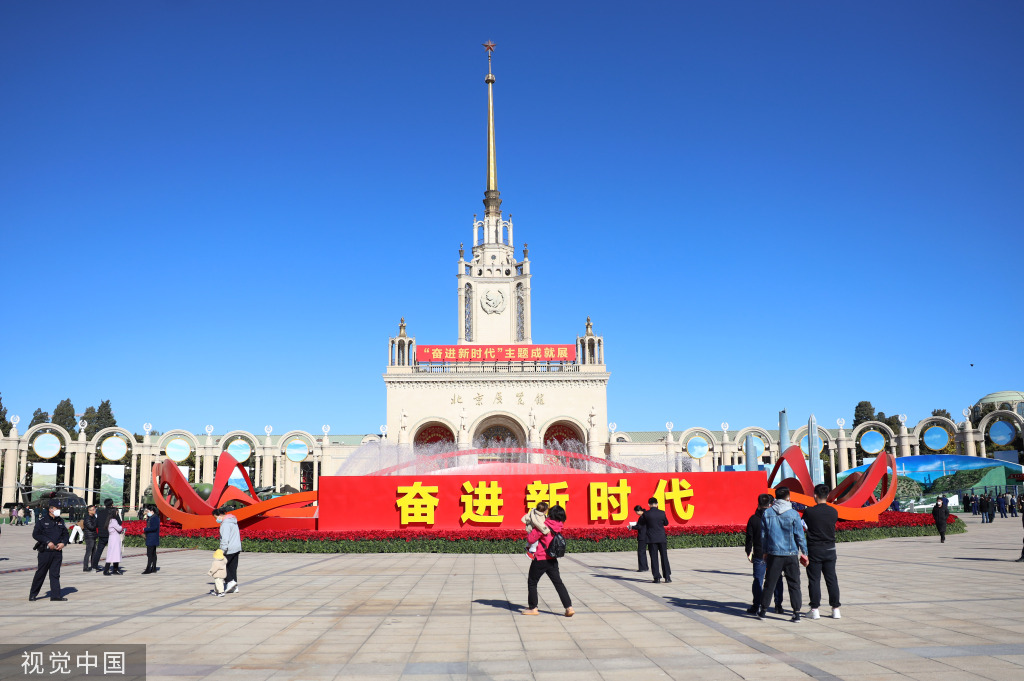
(556, 548)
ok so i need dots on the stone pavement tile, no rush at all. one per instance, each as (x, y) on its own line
(767, 670)
(715, 673)
(625, 675)
(460, 656)
(918, 664)
(500, 666)
(230, 673)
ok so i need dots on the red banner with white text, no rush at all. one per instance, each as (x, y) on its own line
(495, 353)
(500, 501)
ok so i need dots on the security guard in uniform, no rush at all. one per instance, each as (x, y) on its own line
(52, 536)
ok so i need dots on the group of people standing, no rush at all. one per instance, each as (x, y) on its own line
(779, 541)
(986, 505)
(102, 529)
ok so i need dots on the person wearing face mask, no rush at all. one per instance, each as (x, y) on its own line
(152, 539)
(231, 545)
(51, 537)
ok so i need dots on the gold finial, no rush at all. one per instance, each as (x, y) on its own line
(492, 199)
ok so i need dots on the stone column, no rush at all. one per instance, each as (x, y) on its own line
(981, 444)
(10, 476)
(136, 492)
(843, 443)
(968, 438)
(832, 465)
(90, 496)
(904, 440)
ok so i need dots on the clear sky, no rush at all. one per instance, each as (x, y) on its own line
(216, 212)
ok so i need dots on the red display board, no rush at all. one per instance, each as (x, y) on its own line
(495, 353)
(475, 501)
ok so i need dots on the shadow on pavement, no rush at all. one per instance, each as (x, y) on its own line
(499, 603)
(730, 608)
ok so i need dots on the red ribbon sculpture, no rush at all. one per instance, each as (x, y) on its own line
(854, 498)
(179, 502)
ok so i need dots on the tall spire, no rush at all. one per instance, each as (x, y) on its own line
(492, 197)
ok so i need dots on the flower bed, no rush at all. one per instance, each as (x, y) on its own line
(579, 539)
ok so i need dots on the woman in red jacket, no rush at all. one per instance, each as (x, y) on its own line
(540, 564)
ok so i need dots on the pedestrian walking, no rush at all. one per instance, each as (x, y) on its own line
(21, 516)
(89, 528)
(231, 545)
(785, 547)
(983, 508)
(152, 539)
(641, 539)
(941, 516)
(755, 554)
(51, 537)
(1012, 503)
(1001, 503)
(655, 521)
(974, 504)
(102, 533)
(991, 509)
(112, 563)
(541, 564)
(820, 520)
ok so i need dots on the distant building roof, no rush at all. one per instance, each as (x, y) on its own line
(1002, 396)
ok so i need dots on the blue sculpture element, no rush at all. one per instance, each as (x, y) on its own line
(784, 471)
(817, 465)
(750, 457)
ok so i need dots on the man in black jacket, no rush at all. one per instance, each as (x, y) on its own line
(90, 526)
(102, 533)
(821, 552)
(654, 522)
(52, 536)
(755, 554)
(641, 540)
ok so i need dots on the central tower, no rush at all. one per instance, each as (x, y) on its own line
(494, 288)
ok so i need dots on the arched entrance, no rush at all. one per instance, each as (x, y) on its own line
(562, 434)
(435, 436)
(499, 432)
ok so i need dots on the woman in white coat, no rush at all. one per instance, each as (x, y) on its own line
(112, 564)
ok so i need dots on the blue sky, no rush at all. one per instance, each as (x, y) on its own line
(215, 213)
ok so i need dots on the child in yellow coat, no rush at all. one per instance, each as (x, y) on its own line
(219, 571)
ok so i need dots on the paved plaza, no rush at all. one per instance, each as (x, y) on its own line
(913, 609)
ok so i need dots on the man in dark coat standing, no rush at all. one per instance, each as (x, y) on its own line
(755, 554)
(654, 521)
(152, 539)
(90, 527)
(983, 508)
(52, 536)
(641, 540)
(941, 516)
(820, 520)
(102, 532)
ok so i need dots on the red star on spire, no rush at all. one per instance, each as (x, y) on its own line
(489, 46)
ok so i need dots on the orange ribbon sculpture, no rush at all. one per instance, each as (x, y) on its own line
(854, 498)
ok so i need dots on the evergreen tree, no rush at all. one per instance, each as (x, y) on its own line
(942, 412)
(39, 416)
(863, 412)
(90, 418)
(5, 425)
(105, 416)
(64, 416)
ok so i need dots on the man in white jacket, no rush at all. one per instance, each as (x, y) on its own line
(231, 545)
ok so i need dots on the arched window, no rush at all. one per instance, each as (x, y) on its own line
(520, 313)
(469, 312)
